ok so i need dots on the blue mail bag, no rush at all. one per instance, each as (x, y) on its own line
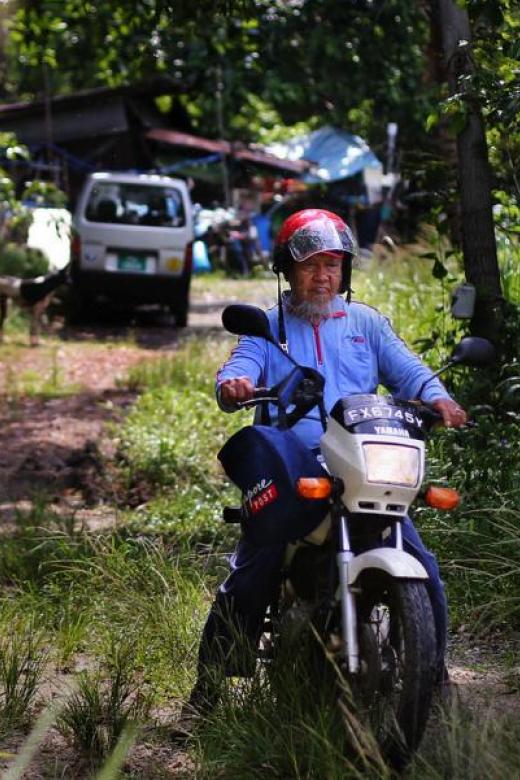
(265, 464)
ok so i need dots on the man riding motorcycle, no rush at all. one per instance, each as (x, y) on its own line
(354, 347)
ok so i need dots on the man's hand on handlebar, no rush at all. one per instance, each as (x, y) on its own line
(453, 415)
(236, 390)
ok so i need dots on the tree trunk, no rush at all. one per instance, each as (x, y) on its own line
(478, 232)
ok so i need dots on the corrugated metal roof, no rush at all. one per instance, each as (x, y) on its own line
(256, 156)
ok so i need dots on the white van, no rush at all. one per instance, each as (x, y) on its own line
(132, 241)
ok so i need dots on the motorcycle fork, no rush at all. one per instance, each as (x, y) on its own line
(349, 627)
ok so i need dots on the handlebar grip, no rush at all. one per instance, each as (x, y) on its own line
(262, 392)
(429, 415)
(259, 394)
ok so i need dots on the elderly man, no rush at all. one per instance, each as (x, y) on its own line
(355, 349)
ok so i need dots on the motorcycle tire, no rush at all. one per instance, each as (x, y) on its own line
(394, 689)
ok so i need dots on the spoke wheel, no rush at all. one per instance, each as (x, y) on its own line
(397, 646)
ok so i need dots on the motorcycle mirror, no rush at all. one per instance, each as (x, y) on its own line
(473, 351)
(244, 320)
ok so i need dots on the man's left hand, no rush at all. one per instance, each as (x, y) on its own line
(453, 415)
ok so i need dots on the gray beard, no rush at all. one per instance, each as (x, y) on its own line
(309, 310)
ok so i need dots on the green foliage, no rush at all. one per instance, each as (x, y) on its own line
(281, 724)
(269, 727)
(275, 62)
(90, 594)
(15, 219)
(32, 382)
(44, 193)
(496, 83)
(10, 149)
(17, 259)
(169, 441)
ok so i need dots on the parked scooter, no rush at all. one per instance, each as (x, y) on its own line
(346, 573)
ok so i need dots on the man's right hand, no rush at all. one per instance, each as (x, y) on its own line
(239, 389)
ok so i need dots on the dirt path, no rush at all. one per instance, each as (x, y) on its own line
(55, 446)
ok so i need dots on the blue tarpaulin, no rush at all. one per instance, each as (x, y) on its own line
(336, 154)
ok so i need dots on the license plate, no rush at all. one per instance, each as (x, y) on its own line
(131, 263)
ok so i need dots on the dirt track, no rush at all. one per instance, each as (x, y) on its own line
(55, 446)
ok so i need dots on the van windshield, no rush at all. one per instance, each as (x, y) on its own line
(135, 204)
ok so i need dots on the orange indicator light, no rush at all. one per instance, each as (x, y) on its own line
(442, 498)
(314, 487)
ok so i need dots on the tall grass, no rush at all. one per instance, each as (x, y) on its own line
(169, 441)
(263, 730)
(22, 663)
(91, 596)
(108, 703)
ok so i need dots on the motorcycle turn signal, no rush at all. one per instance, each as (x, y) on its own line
(314, 487)
(441, 497)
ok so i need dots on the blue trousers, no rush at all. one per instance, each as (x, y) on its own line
(252, 585)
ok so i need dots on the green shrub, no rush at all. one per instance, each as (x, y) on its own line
(22, 261)
(44, 193)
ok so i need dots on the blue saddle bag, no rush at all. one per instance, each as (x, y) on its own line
(265, 464)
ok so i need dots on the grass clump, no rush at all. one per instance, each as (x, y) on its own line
(462, 745)
(22, 663)
(279, 724)
(107, 704)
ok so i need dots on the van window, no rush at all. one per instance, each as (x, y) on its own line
(135, 204)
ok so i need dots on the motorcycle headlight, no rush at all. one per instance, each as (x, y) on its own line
(396, 464)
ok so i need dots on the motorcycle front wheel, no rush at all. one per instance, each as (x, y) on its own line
(393, 690)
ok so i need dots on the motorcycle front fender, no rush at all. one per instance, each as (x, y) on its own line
(396, 563)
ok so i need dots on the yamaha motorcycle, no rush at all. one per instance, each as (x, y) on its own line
(346, 573)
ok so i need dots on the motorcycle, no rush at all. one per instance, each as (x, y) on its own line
(346, 573)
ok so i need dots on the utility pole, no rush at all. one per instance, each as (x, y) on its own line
(220, 125)
(478, 230)
(49, 153)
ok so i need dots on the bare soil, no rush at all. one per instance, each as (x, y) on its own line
(60, 447)
(57, 443)
(56, 447)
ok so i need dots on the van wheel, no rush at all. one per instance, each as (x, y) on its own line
(78, 305)
(181, 319)
(180, 314)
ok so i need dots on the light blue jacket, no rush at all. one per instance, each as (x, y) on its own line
(355, 350)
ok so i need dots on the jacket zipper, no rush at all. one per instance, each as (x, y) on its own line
(316, 329)
(317, 338)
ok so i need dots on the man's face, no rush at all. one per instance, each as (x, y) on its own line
(316, 280)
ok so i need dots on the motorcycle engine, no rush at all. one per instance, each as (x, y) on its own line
(310, 571)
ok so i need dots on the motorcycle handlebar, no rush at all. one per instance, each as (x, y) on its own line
(432, 417)
(429, 415)
(260, 394)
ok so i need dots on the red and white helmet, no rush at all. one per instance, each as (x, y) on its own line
(309, 232)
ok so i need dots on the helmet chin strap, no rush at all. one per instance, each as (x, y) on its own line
(282, 335)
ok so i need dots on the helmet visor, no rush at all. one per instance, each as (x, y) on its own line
(320, 235)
